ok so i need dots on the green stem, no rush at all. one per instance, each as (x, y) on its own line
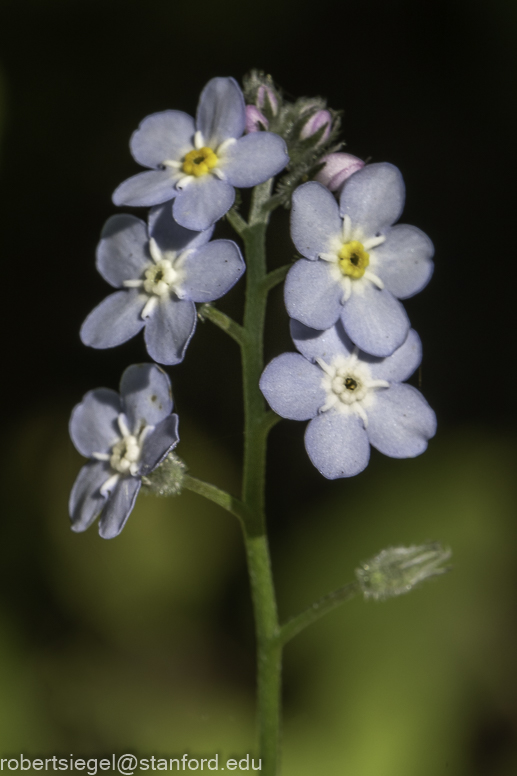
(326, 604)
(269, 421)
(236, 220)
(258, 422)
(269, 652)
(276, 276)
(223, 321)
(250, 510)
(218, 496)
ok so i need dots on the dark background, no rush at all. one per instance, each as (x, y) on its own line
(427, 86)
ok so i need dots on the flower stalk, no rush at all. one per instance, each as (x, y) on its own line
(353, 337)
(253, 487)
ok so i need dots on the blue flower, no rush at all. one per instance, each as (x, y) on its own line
(197, 163)
(163, 270)
(126, 436)
(357, 265)
(353, 400)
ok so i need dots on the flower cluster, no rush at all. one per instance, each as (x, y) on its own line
(343, 295)
(161, 268)
(354, 337)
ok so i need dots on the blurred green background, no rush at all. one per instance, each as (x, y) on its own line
(145, 644)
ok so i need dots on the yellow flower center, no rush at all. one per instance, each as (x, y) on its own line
(353, 259)
(199, 161)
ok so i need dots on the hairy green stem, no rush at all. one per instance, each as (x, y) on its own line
(276, 276)
(257, 424)
(325, 605)
(236, 221)
(218, 496)
(223, 321)
(258, 421)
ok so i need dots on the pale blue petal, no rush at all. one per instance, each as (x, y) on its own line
(337, 444)
(254, 159)
(115, 320)
(327, 344)
(163, 136)
(119, 507)
(86, 500)
(122, 253)
(311, 294)
(292, 386)
(373, 197)
(404, 260)
(158, 444)
(169, 235)
(375, 321)
(169, 329)
(203, 202)
(93, 423)
(401, 364)
(315, 220)
(146, 395)
(400, 422)
(212, 270)
(221, 112)
(147, 188)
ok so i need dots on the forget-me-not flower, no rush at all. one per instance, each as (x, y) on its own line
(357, 265)
(126, 436)
(353, 400)
(163, 270)
(198, 163)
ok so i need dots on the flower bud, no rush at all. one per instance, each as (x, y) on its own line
(254, 120)
(167, 479)
(321, 118)
(338, 167)
(397, 570)
(264, 94)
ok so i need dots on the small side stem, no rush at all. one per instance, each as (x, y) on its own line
(218, 496)
(236, 221)
(269, 421)
(223, 321)
(275, 277)
(325, 605)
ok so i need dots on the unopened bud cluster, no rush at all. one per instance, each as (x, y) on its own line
(309, 128)
(397, 570)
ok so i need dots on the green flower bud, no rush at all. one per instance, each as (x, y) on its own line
(167, 478)
(396, 570)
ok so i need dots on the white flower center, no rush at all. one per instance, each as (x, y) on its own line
(124, 456)
(349, 385)
(162, 278)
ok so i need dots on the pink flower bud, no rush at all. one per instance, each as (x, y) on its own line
(318, 120)
(338, 167)
(264, 91)
(254, 118)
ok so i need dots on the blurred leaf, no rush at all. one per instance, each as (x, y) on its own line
(423, 684)
(403, 687)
